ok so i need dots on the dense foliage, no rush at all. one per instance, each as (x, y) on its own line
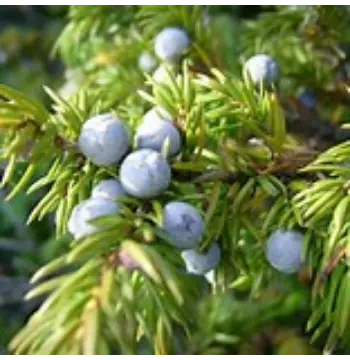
(262, 157)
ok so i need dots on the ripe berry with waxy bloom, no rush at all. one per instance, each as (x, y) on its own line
(108, 189)
(83, 213)
(201, 263)
(147, 62)
(155, 129)
(145, 174)
(183, 224)
(104, 139)
(171, 43)
(261, 68)
(284, 250)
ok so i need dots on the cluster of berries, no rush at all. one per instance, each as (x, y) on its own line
(145, 173)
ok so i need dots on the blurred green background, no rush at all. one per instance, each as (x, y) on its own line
(27, 34)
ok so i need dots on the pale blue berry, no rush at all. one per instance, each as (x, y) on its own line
(155, 129)
(171, 43)
(157, 112)
(284, 251)
(108, 189)
(201, 263)
(79, 223)
(104, 139)
(261, 68)
(184, 224)
(147, 62)
(145, 174)
(162, 73)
